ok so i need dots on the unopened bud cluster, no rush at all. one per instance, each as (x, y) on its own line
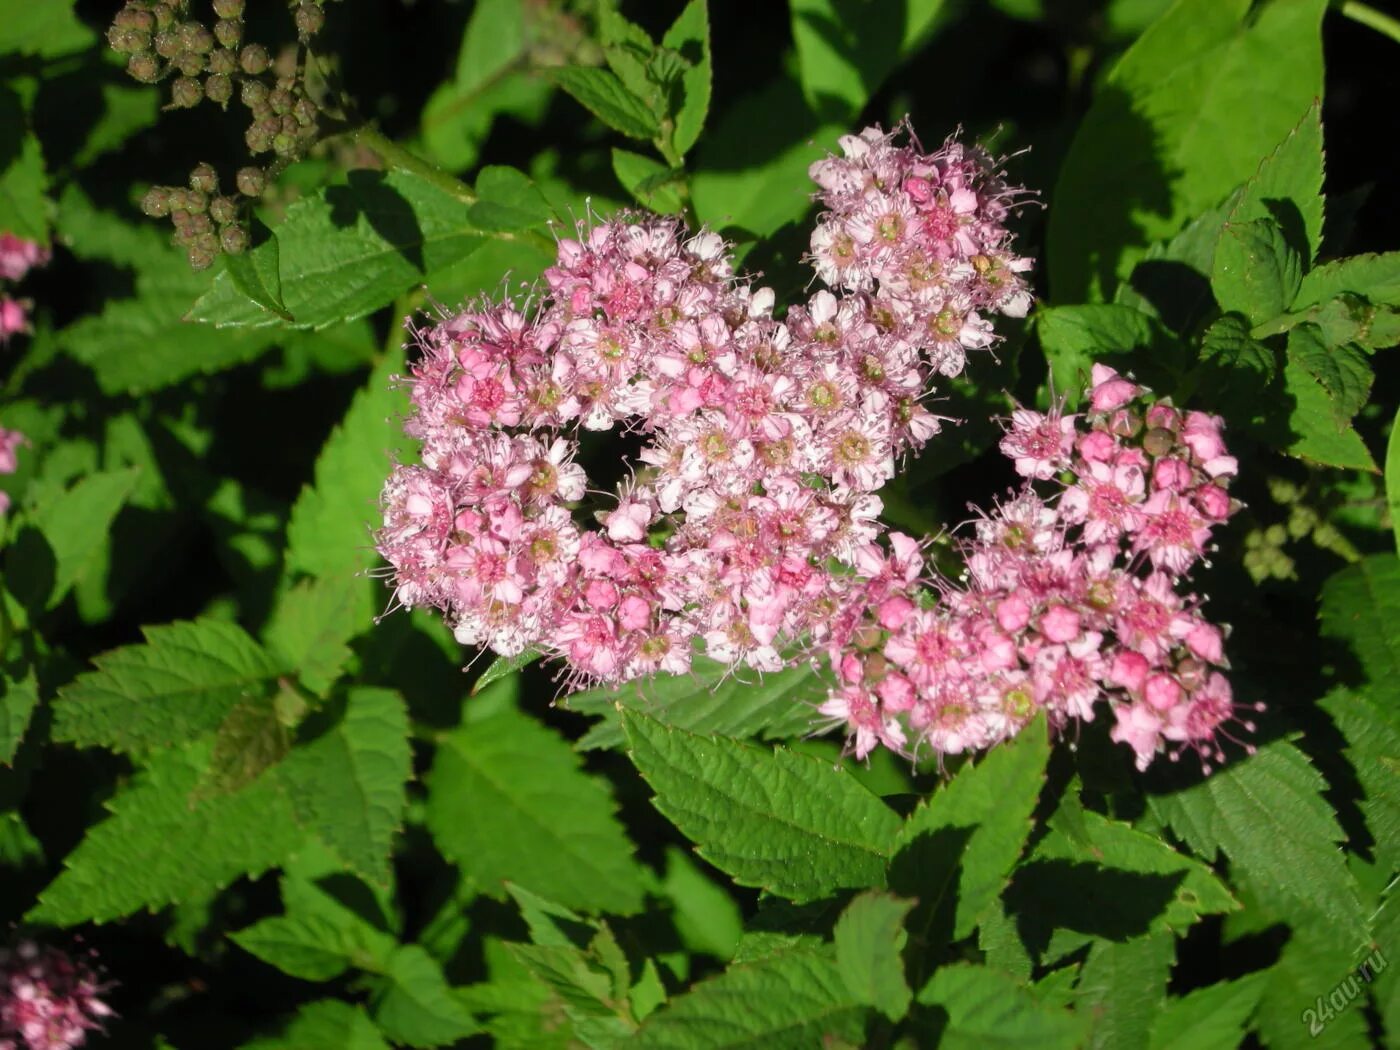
(215, 62)
(49, 999)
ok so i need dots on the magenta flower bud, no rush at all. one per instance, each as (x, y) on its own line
(1098, 446)
(1207, 642)
(1213, 501)
(18, 255)
(1060, 624)
(1164, 416)
(1162, 692)
(1171, 474)
(895, 692)
(14, 318)
(894, 611)
(1013, 613)
(10, 440)
(1129, 671)
(1110, 390)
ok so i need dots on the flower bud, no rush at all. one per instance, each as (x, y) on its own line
(194, 36)
(223, 210)
(305, 112)
(203, 252)
(125, 40)
(218, 88)
(156, 202)
(199, 224)
(254, 93)
(284, 144)
(253, 59)
(234, 239)
(257, 138)
(144, 66)
(190, 63)
(251, 181)
(1158, 441)
(281, 100)
(167, 43)
(181, 221)
(229, 31)
(185, 92)
(223, 61)
(228, 8)
(164, 15)
(204, 178)
(135, 18)
(286, 64)
(309, 18)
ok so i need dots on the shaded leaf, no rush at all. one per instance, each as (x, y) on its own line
(607, 98)
(311, 626)
(1256, 272)
(689, 36)
(869, 936)
(322, 1024)
(1210, 1018)
(1344, 372)
(415, 1006)
(988, 1009)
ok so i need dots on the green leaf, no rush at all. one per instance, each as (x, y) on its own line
(607, 98)
(257, 274)
(18, 699)
(1190, 889)
(508, 801)
(1376, 278)
(158, 847)
(652, 183)
(508, 200)
(252, 738)
(794, 1000)
(416, 1006)
(345, 251)
(311, 626)
(706, 917)
(993, 801)
(1310, 965)
(181, 682)
(330, 531)
(987, 1009)
(503, 667)
(323, 1024)
(1209, 1018)
(310, 947)
(1392, 477)
(1287, 188)
(1122, 987)
(24, 208)
(1268, 815)
(75, 526)
(847, 48)
(1358, 606)
(1073, 338)
(710, 699)
(793, 825)
(1163, 141)
(47, 30)
(1312, 421)
(1256, 271)
(689, 36)
(350, 784)
(869, 936)
(1344, 372)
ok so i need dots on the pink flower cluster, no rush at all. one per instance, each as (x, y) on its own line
(1067, 600)
(49, 1000)
(17, 257)
(763, 440)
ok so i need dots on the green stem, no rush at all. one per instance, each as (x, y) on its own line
(1368, 16)
(396, 156)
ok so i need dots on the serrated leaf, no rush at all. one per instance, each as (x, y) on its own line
(24, 207)
(1392, 477)
(416, 1006)
(987, 1009)
(251, 739)
(1209, 1018)
(1376, 278)
(350, 784)
(1183, 891)
(793, 825)
(1267, 814)
(1287, 188)
(309, 947)
(795, 1000)
(847, 48)
(157, 848)
(1122, 987)
(257, 274)
(47, 30)
(345, 251)
(1344, 372)
(607, 98)
(1309, 965)
(991, 800)
(1073, 338)
(869, 936)
(75, 525)
(508, 200)
(330, 531)
(17, 702)
(689, 36)
(323, 1024)
(1256, 272)
(1312, 421)
(712, 698)
(508, 801)
(311, 626)
(183, 681)
(503, 667)
(1163, 141)
(652, 183)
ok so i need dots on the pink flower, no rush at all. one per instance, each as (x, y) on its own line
(18, 255)
(1039, 444)
(10, 441)
(1110, 390)
(49, 1000)
(13, 318)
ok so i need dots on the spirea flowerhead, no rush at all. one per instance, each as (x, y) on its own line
(17, 257)
(49, 1000)
(749, 526)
